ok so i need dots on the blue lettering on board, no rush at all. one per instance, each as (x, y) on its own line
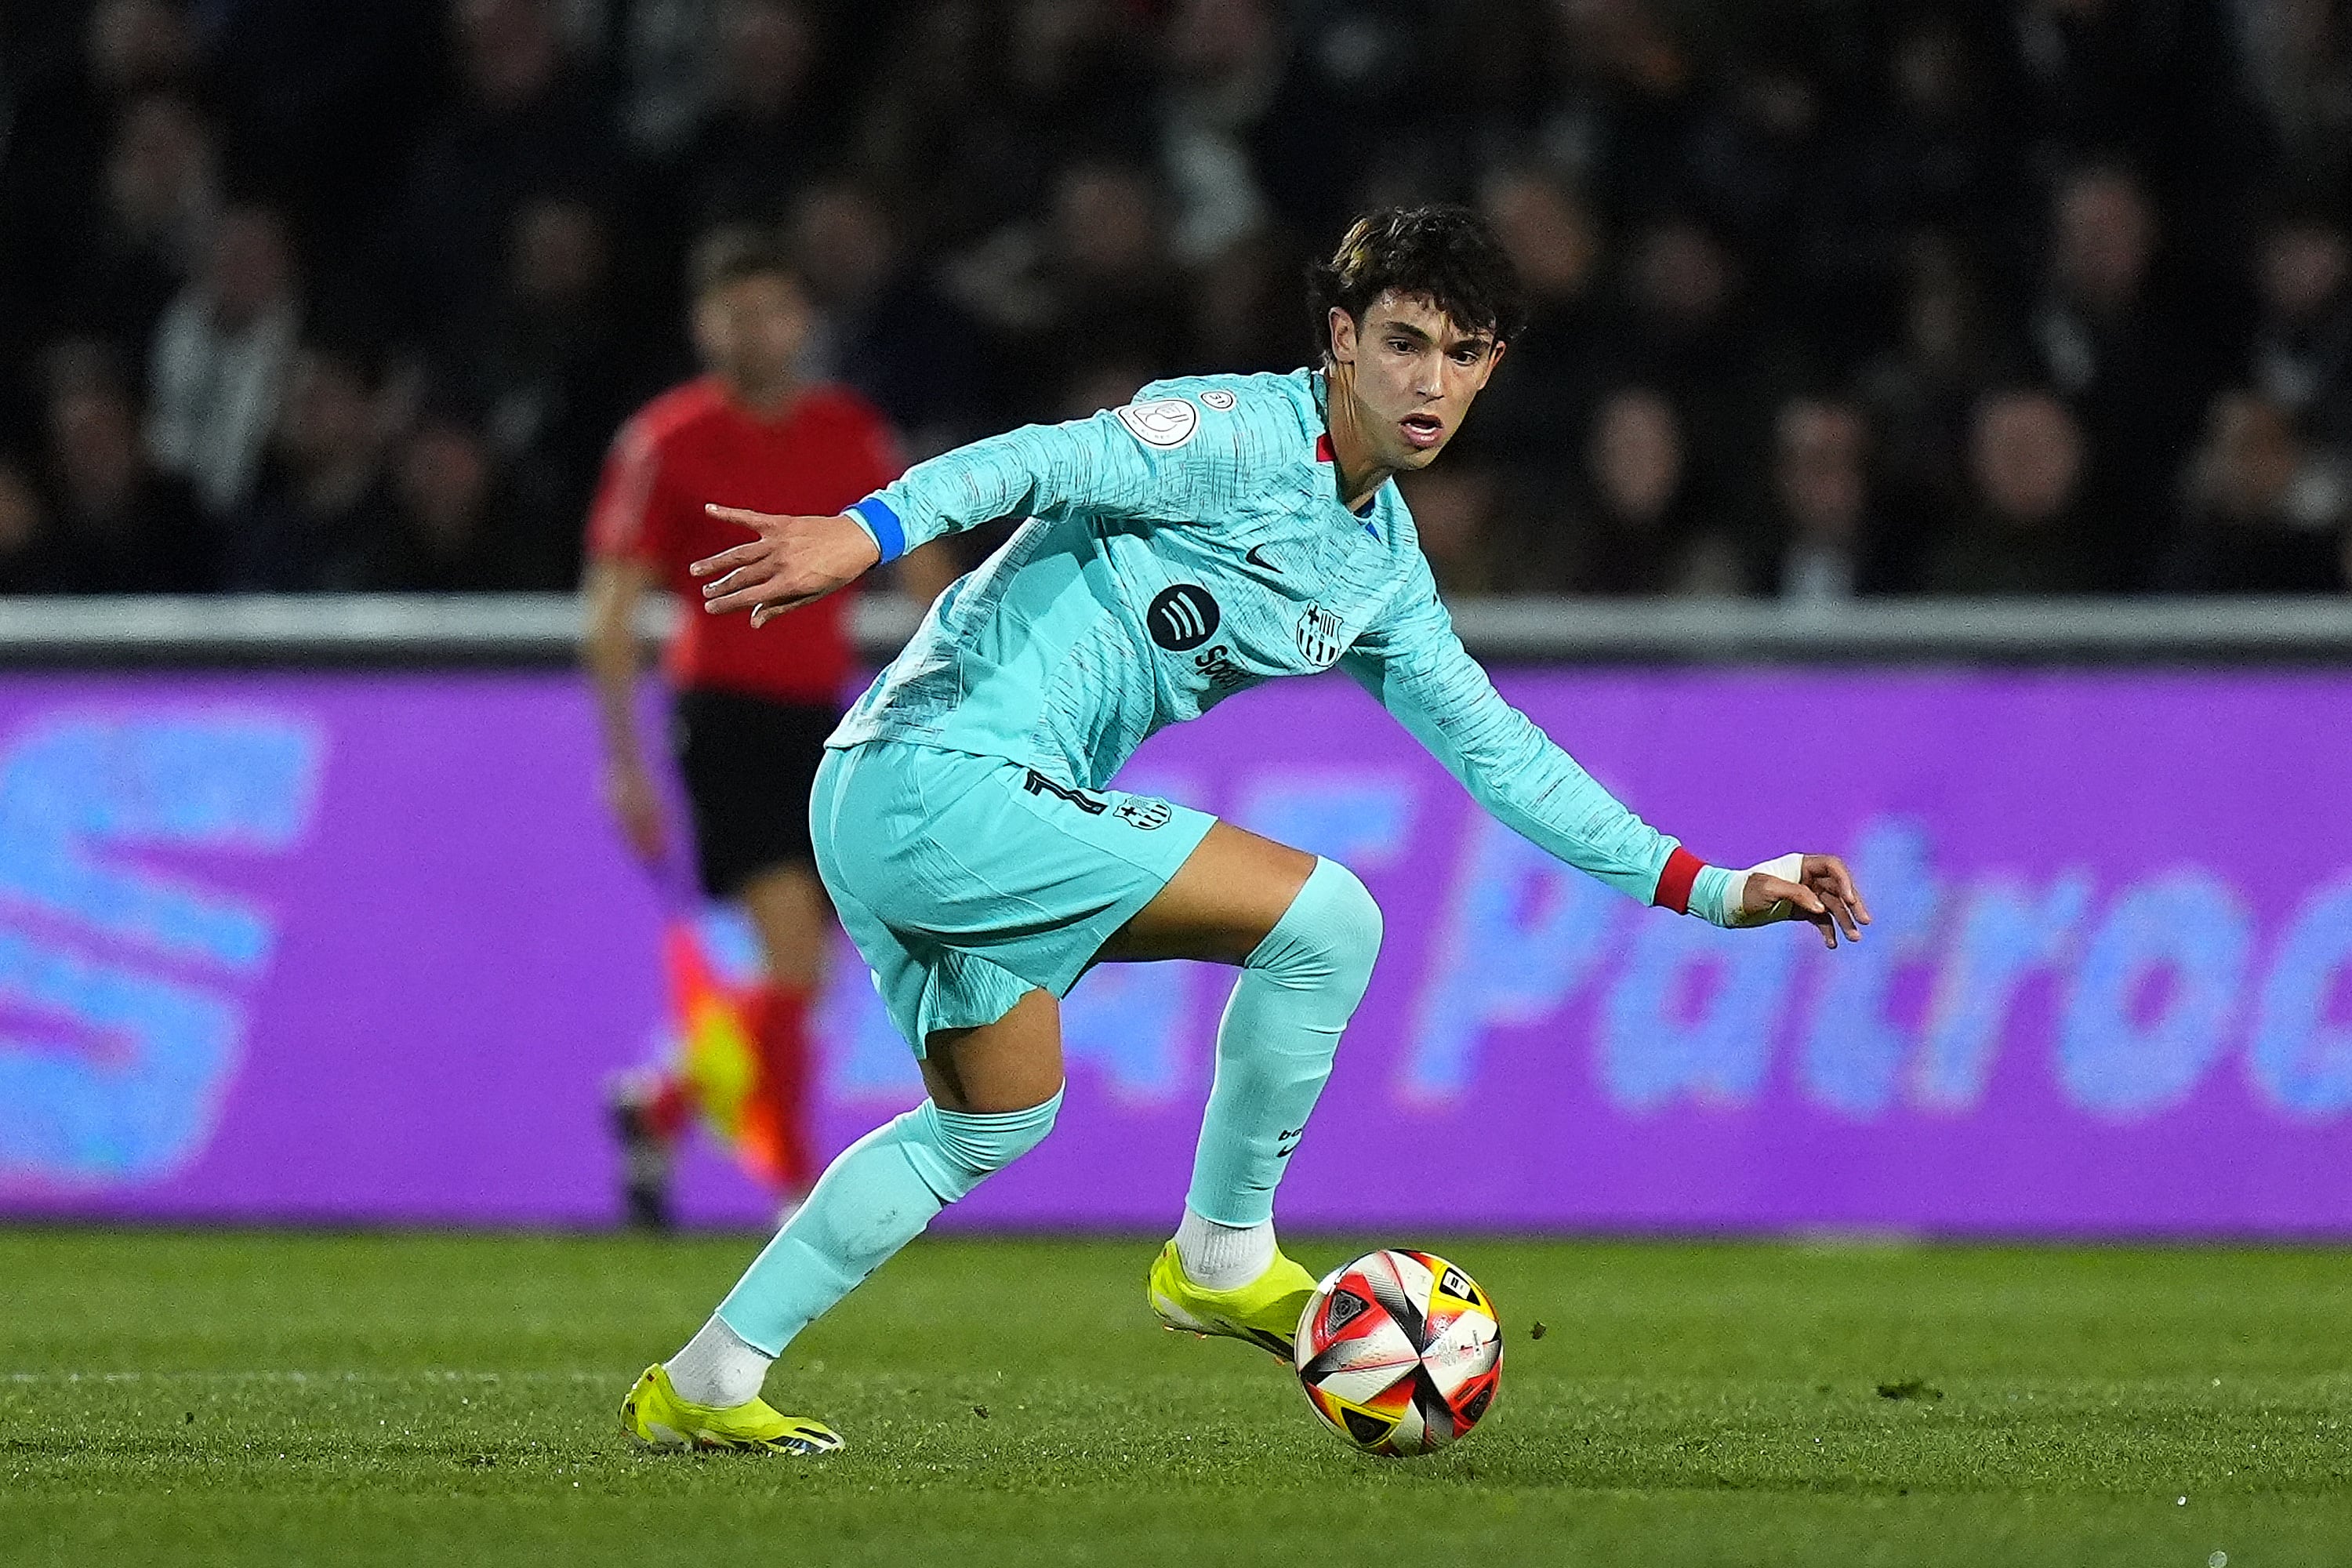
(2299, 1059)
(1361, 820)
(131, 1086)
(1855, 1053)
(2152, 996)
(2005, 932)
(1519, 933)
(1658, 1043)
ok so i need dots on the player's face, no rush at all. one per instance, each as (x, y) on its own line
(1411, 374)
(753, 330)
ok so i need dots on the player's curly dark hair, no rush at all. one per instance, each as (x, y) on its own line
(1446, 255)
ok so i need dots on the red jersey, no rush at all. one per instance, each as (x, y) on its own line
(693, 445)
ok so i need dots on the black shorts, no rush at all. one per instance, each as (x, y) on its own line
(748, 764)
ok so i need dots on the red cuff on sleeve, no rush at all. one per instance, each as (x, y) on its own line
(1675, 882)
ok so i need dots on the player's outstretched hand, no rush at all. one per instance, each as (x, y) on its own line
(1816, 888)
(793, 561)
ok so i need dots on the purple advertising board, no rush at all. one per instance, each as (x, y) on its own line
(366, 948)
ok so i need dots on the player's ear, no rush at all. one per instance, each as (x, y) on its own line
(1343, 329)
(1493, 358)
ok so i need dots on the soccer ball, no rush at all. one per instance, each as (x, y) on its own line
(1400, 1352)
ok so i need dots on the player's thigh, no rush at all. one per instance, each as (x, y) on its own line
(1010, 1065)
(991, 860)
(1232, 890)
(965, 889)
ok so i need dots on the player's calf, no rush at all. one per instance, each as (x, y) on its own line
(1222, 1274)
(876, 1196)
(1275, 1049)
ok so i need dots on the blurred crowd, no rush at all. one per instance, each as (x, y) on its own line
(1833, 297)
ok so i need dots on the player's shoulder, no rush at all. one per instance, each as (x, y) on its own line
(1265, 411)
(834, 406)
(1258, 397)
(676, 414)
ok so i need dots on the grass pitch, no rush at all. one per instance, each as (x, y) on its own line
(348, 1400)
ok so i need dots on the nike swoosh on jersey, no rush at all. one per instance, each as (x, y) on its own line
(1252, 557)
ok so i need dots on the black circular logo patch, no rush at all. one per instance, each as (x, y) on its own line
(1183, 617)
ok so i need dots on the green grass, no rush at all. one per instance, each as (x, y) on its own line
(170, 1398)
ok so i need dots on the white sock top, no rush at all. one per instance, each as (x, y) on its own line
(717, 1367)
(1223, 1257)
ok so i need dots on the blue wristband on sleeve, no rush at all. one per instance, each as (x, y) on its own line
(874, 514)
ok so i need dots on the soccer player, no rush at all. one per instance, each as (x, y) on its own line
(750, 712)
(1217, 533)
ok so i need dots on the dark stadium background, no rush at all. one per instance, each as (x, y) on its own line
(1934, 444)
(1832, 297)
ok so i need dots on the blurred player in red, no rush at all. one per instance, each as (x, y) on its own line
(750, 709)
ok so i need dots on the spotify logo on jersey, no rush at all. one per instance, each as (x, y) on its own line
(1182, 618)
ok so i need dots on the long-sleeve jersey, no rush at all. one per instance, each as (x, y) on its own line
(1188, 546)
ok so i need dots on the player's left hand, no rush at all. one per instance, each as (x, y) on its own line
(1816, 888)
(795, 560)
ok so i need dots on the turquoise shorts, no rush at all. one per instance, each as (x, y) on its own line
(967, 881)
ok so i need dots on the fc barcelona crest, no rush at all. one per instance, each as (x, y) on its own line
(1320, 643)
(1142, 811)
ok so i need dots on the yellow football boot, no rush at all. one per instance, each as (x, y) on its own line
(1265, 1311)
(654, 1414)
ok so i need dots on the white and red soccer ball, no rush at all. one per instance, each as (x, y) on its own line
(1401, 1351)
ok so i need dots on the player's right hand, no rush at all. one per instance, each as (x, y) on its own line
(793, 561)
(638, 805)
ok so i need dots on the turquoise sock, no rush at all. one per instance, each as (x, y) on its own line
(1275, 1047)
(876, 1197)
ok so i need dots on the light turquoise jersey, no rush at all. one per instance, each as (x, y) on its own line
(1186, 547)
